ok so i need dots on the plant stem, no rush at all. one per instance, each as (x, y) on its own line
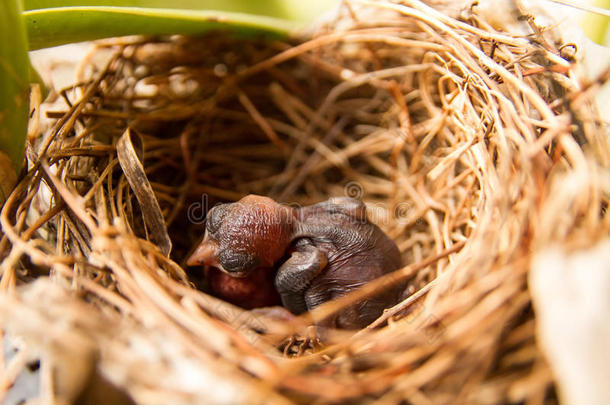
(14, 84)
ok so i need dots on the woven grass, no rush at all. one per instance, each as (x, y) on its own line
(473, 149)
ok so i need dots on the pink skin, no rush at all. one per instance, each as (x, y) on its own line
(255, 290)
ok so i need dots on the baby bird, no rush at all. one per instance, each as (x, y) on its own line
(314, 254)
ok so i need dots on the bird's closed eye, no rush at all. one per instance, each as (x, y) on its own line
(237, 262)
(215, 217)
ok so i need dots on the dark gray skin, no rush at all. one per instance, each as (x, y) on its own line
(321, 252)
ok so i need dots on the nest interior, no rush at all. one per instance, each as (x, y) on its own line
(457, 136)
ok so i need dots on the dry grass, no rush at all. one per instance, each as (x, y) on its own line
(473, 149)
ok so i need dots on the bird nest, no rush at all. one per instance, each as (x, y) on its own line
(460, 138)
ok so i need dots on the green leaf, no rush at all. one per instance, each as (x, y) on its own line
(56, 22)
(294, 10)
(56, 26)
(270, 8)
(14, 84)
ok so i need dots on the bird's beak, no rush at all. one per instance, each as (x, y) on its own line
(205, 254)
